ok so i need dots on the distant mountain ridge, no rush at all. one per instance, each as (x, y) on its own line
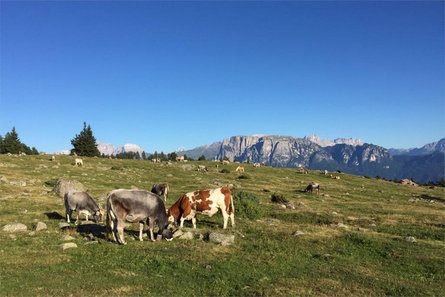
(110, 150)
(438, 146)
(348, 155)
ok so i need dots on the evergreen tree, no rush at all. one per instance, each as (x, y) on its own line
(202, 158)
(172, 156)
(34, 151)
(11, 143)
(162, 156)
(144, 156)
(1, 144)
(84, 143)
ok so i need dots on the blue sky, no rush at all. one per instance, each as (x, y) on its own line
(181, 74)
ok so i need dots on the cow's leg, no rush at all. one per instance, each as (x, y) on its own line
(141, 229)
(120, 230)
(151, 226)
(226, 218)
(232, 219)
(86, 215)
(68, 215)
(113, 225)
(77, 217)
(182, 222)
(194, 222)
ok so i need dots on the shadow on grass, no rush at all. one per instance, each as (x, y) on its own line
(95, 229)
(54, 215)
(428, 197)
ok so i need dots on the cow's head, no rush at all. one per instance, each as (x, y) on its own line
(98, 216)
(168, 232)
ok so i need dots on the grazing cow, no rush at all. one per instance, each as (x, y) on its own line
(53, 158)
(335, 177)
(78, 162)
(160, 190)
(217, 165)
(256, 165)
(202, 168)
(226, 162)
(313, 186)
(82, 202)
(240, 168)
(203, 202)
(136, 206)
(304, 171)
(338, 171)
(325, 172)
(180, 158)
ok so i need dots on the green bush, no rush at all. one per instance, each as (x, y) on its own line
(247, 205)
(279, 198)
(51, 182)
(243, 176)
(225, 171)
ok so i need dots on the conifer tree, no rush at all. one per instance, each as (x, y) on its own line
(144, 156)
(84, 143)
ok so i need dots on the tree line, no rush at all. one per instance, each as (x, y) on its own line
(11, 144)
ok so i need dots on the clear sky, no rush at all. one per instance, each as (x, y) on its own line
(165, 75)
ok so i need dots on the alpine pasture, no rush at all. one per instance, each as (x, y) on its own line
(358, 236)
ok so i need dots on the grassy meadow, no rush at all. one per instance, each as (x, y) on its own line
(367, 255)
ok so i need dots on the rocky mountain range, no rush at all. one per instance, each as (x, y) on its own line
(110, 150)
(438, 146)
(348, 155)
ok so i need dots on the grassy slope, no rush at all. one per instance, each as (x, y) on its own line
(268, 261)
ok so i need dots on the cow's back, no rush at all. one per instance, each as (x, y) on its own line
(137, 202)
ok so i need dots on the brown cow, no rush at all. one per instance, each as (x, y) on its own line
(203, 202)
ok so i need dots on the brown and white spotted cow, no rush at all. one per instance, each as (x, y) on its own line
(203, 202)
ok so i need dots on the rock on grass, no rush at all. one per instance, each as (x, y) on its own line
(14, 227)
(68, 245)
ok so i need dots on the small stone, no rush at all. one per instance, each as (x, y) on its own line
(14, 227)
(372, 225)
(325, 195)
(177, 233)
(12, 236)
(327, 256)
(67, 238)
(208, 267)
(68, 245)
(222, 239)
(362, 229)
(409, 238)
(18, 183)
(3, 179)
(32, 233)
(63, 225)
(40, 226)
(290, 206)
(301, 204)
(283, 206)
(334, 213)
(169, 175)
(187, 236)
(339, 225)
(23, 211)
(297, 233)
(91, 242)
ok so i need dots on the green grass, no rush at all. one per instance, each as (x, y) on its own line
(266, 260)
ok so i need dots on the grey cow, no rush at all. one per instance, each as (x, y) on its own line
(136, 206)
(313, 187)
(160, 190)
(82, 202)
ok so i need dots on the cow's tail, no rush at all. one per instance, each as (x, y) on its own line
(109, 218)
(232, 208)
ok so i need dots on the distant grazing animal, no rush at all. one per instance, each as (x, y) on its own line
(202, 168)
(313, 186)
(256, 165)
(338, 171)
(136, 206)
(304, 171)
(216, 165)
(240, 168)
(180, 158)
(203, 202)
(82, 202)
(225, 162)
(160, 190)
(53, 158)
(335, 177)
(325, 172)
(78, 162)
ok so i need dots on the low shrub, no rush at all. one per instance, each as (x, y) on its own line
(51, 183)
(243, 176)
(247, 205)
(225, 171)
(279, 198)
